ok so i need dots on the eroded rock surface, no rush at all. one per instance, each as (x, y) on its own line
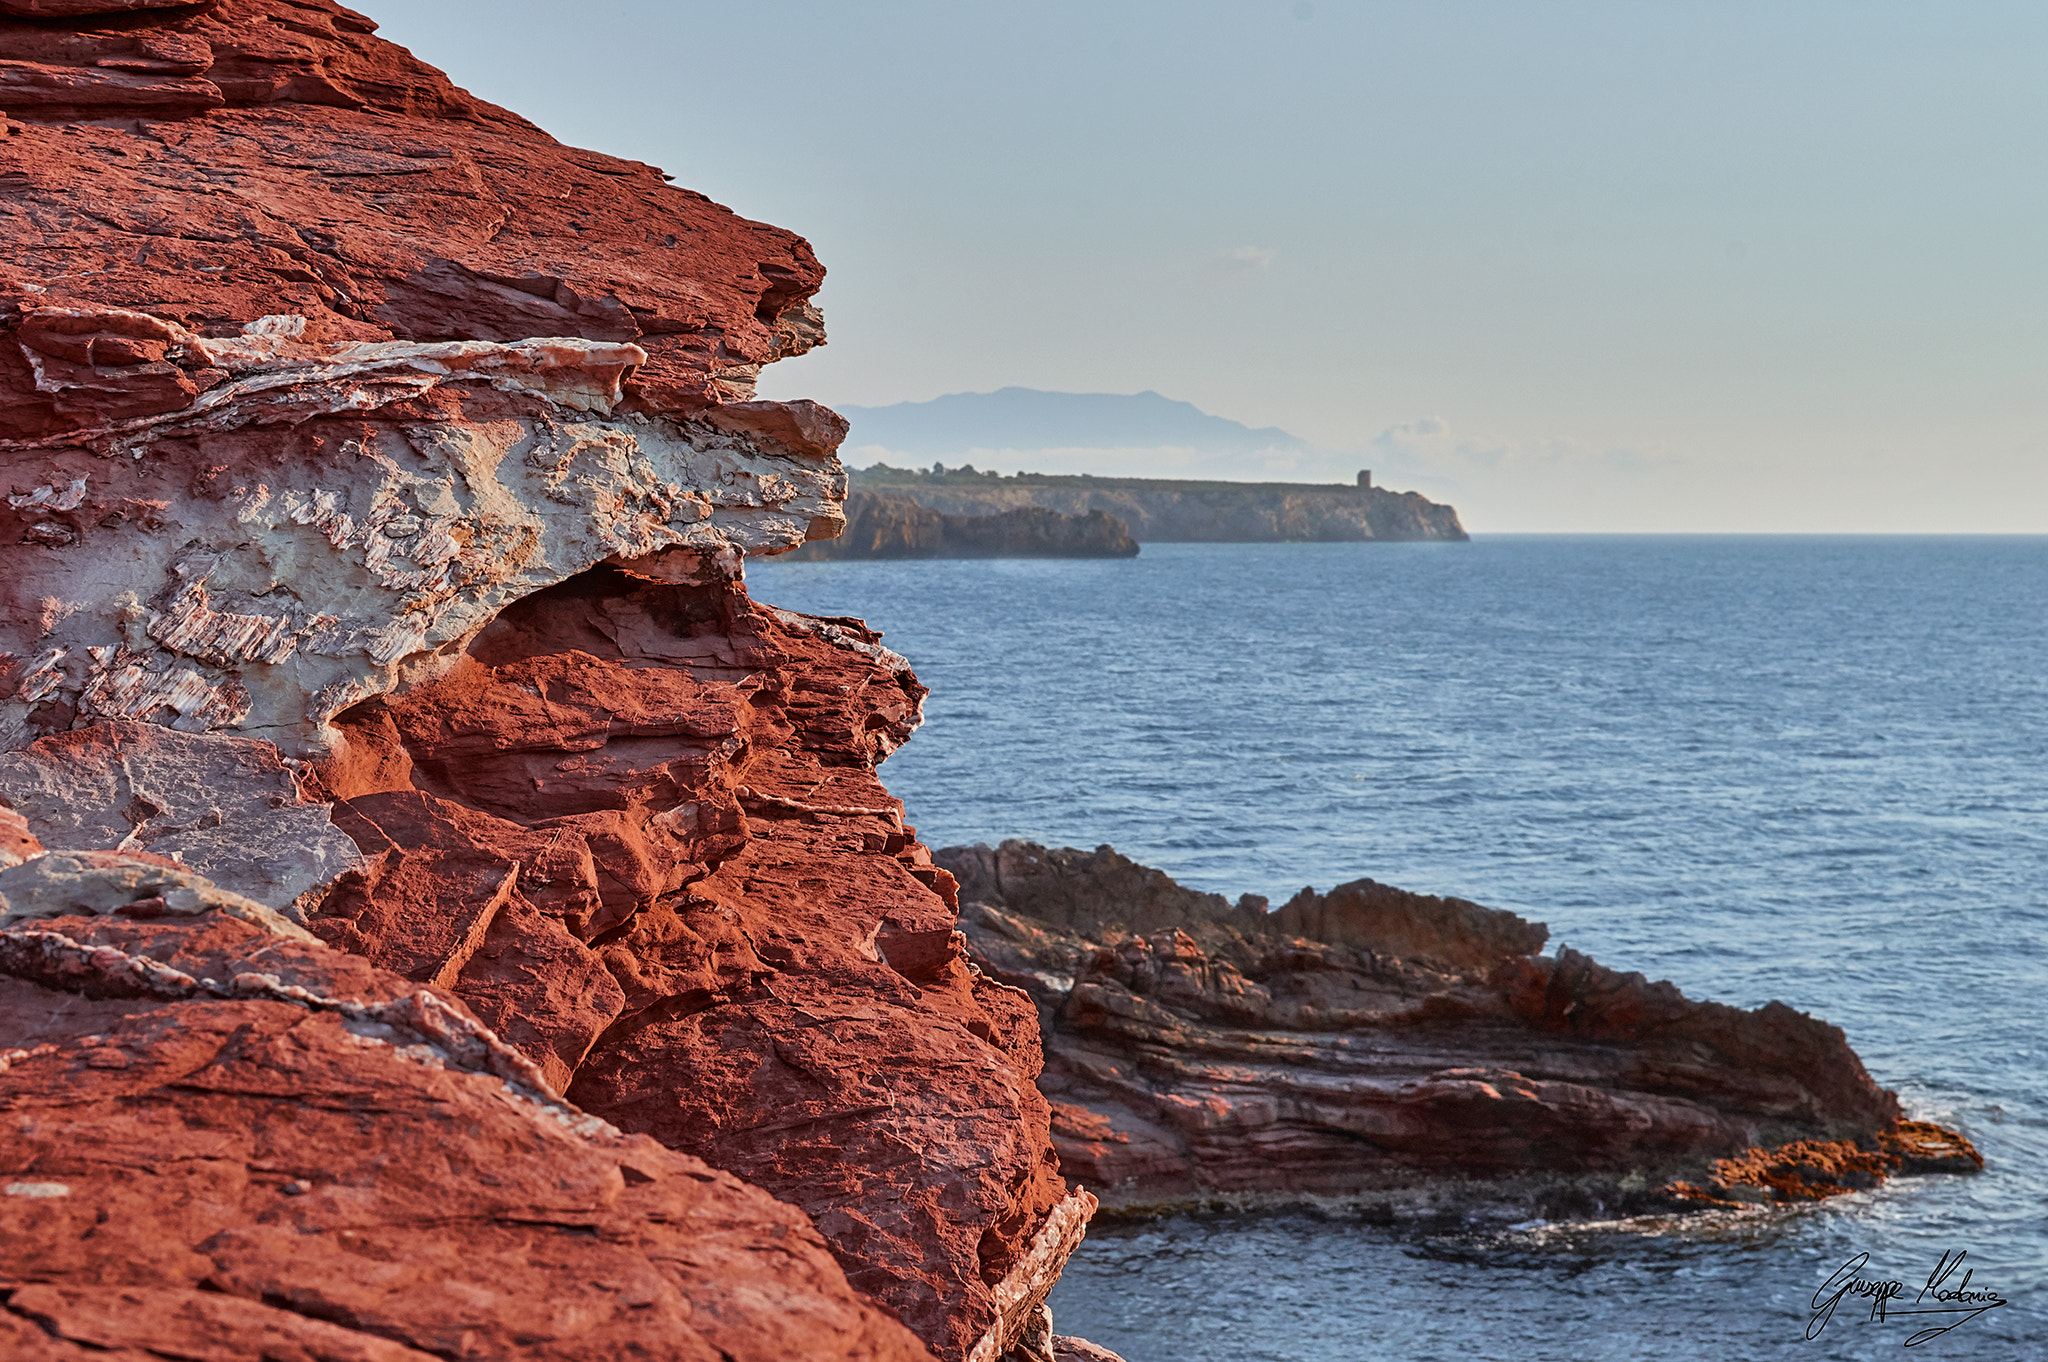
(229, 162)
(638, 828)
(310, 362)
(232, 1144)
(228, 808)
(1370, 1041)
(268, 562)
(380, 476)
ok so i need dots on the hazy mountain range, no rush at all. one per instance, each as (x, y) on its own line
(1026, 419)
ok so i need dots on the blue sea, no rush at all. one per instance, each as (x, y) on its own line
(1811, 769)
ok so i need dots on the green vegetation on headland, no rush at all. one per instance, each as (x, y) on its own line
(882, 477)
(1168, 510)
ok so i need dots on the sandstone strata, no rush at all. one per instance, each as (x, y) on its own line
(442, 914)
(1160, 510)
(229, 1141)
(1368, 1043)
(313, 362)
(381, 474)
(885, 525)
(638, 828)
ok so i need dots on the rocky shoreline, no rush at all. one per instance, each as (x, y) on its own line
(443, 914)
(1405, 1055)
(1163, 510)
(884, 525)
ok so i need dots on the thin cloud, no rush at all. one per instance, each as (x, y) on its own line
(1429, 443)
(1408, 432)
(1243, 259)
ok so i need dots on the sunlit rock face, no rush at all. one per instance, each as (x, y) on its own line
(1405, 1052)
(233, 1142)
(378, 477)
(328, 521)
(311, 362)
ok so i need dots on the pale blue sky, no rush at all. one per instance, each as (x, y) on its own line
(1573, 266)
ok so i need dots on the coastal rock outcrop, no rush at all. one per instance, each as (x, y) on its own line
(1370, 1043)
(358, 360)
(443, 914)
(884, 525)
(1164, 510)
(228, 1141)
(638, 829)
(381, 475)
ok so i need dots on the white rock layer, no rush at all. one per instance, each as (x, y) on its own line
(294, 540)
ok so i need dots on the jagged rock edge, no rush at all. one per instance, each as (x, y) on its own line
(450, 1039)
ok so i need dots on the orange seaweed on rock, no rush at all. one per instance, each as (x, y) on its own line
(1813, 1170)
(1924, 1147)
(1798, 1170)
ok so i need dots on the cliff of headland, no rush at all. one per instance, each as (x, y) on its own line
(885, 525)
(453, 918)
(1166, 511)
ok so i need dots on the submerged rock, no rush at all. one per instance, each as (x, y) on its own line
(1812, 1170)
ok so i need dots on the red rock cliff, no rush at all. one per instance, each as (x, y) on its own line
(380, 472)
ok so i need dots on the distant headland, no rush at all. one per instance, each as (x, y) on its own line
(1163, 510)
(886, 525)
(1019, 427)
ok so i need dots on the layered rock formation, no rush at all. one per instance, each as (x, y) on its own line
(885, 525)
(1375, 1044)
(444, 915)
(229, 1141)
(1159, 510)
(637, 828)
(380, 477)
(346, 364)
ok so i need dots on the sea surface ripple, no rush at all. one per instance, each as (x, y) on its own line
(1810, 769)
